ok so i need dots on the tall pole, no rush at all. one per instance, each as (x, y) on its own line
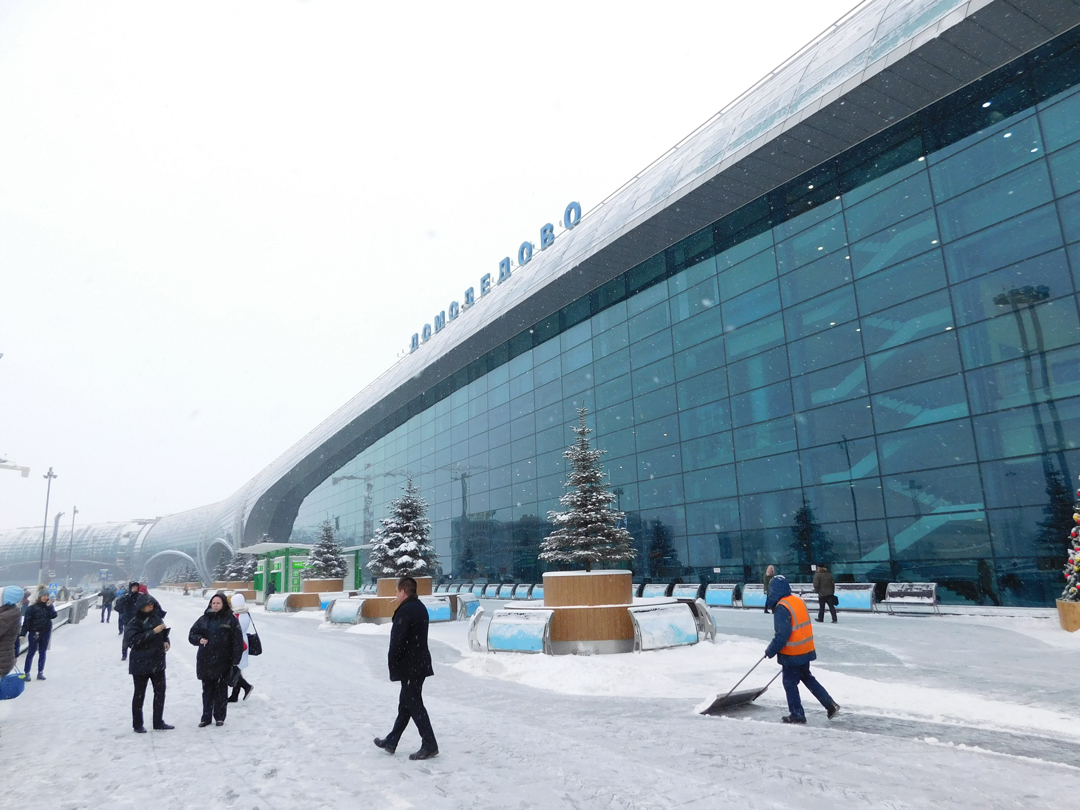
(71, 542)
(49, 476)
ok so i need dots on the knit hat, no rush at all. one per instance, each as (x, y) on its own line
(13, 595)
(238, 602)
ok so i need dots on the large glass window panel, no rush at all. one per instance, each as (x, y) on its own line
(807, 219)
(709, 451)
(840, 461)
(821, 313)
(661, 462)
(833, 503)
(757, 337)
(614, 417)
(931, 357)
(770, 473)
(1016, 239)
(892, 205)
(812, 244)
(702, 389)
(649, 322)
(692, 276)
(710, 517)
(1052, 427)
(1047, 276)
(610, 341)
(650, 296)
(614, 392)
(1069, 211)
(656, 492)
(547, 394)
(654, 377)
(834, 345)
(765, 439)
(1030, 480)
(606, 319)
(762, 369)
(1004, 149)
(699, 298)
(715, 482)
(575, 335)
(744, 250)
(769, 509)
(934, 537)
(936, 491)
(652, 406)
(897, 243)
(923, 404)
(699, 359)
(815, 279)
(695, 330)
(834, 423)
(941, 445)
(1045, 376)
(650, 349)
(761, 404)
(906, 322)
(909, 153)
(1065, 170)
(611, 367)
(548, 371)
(703, 421)
(845, 381)
(617, 444)
(1061, 122)
(1017, 532)
(752, 272)
(550, 439)
(995, 201)
(1016, 334)
(751, 306)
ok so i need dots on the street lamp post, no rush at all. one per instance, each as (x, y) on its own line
(71, 542)
(49, 476)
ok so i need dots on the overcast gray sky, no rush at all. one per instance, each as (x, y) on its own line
(220, 221)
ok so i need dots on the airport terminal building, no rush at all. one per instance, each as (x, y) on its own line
(837, 323)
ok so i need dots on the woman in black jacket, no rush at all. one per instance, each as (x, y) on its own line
(147, 637)
(37, 626)
(217, 635)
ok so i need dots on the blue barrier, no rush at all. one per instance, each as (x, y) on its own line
(442, 589)
(690, 590)
(720, 594)
(276, 603)
(326, 598)
(344, 611)
(522, 591)
(506, 591)
(478, 589)
(491, 590)
(856, 596)
(537, 592)
(655, 589)
(467, 605)
(524, 631)
(656, 627)
(753, 596)
(438, 608)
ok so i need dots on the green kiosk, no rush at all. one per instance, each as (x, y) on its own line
(280, 563)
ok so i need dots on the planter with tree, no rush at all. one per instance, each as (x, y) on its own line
(401, 547)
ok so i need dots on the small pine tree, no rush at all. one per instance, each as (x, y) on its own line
(325, 561)
(1072, 566)
(809, 541)
(222, 567)
(590, 531)
(241, 568)
(401, 546)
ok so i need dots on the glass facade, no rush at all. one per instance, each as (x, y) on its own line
(875, 366)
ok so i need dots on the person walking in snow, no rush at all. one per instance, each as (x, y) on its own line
(37, 627)
(770, 572)
(240, 610)
(825, 589)
(217, 635)
(410, 663)
(793, 644)
(108, 595)
(148, 639)
(10, 621)
(125, 609)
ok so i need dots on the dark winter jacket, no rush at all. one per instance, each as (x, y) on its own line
(224, 646)
(409, 658)
(125, 603)
(9, 631)
(38, 619)
(778, 589)
(107, 596)
(823, 583)
(147, 647)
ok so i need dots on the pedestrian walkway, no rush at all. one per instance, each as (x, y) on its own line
(593, 736)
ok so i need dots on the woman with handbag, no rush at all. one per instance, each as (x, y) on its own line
(217, 635)
(239, 606)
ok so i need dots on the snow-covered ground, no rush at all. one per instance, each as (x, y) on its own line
(937, 712)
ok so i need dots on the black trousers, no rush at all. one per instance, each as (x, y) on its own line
(240, 684)
(106, 612)
(158, 679)
(214, 697)
(411, 706)
(821, 608)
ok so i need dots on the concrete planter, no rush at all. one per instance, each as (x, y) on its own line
(590, 611)
(387, 586)
(324, 585)
(1069, 615)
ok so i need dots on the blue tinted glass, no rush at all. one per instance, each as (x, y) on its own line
(923, 404)
(708, 451)
(653, 377)
(1043, 429)
(1047, 276)
(612, 366)
(766, 474)
(702, 389)
(1065, 170)
(1022, 382)
(606, 319)
(962, 534)
(1020, 481)
(762, 369)
(912, 236)
(746, 275)
(812, 244)
(618, 444)
(827, 348)
(695, 300)
(700, 358)
(707, 419)
(835, 384)
(611, 341)
(613, 392)
(1028, 235)
(996, 201)
(692, 276)
(930, 491)
(845, 420)
(712, 517)
(1061, 122)
(650, 349)
(932, 357)
(821, 313)
(658, 403)
(845, 460)
(657, 433)
(649, 322)
(765, 439)
(761, 404)
(770, 509)
(1046, 326)
(814, 279)
(697, 329)
(744, 250)
(717, 482)
(1069, 209)
(902, 282)
(891, 205)
(757, 337)
(1007, 148)
(657, 492)
(751, 306)
(925, 447)
(910, 321)
(614, 417)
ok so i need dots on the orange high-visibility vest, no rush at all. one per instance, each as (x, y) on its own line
(801, 640)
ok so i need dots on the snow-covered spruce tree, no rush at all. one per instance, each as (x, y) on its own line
(325, 560)
(222, 567)
(589, 532)
(1072, 566)
(241, 568)
(401, 545)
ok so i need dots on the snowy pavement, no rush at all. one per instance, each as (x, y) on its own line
(937, 712)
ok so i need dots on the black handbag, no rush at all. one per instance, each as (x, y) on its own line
(254, 642)
(234, 676)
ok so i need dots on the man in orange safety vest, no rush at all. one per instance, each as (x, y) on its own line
(793, 644)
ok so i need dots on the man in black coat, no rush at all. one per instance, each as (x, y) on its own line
(37, 627)
(108, 595)
(148, 638)
(125, 609)
(410, 663)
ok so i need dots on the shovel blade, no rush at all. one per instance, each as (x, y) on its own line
(734, 699)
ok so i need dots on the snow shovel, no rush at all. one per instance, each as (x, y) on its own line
(733, 698)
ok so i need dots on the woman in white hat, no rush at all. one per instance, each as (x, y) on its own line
(239, 606)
